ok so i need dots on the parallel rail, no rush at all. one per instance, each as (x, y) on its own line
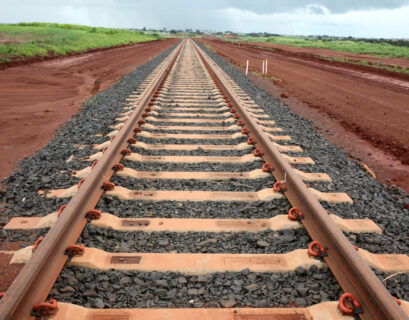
(351, 271)
(36, 279)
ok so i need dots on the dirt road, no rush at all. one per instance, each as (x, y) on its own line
(371, 106)
(36, 98)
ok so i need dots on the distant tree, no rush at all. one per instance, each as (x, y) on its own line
(144, 29)
(173, 31)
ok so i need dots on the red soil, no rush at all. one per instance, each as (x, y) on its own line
(364, 112)
(37, 98)
(316, 53)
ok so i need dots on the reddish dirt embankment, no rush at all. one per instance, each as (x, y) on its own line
(36, 98)
(344, 59)
(366, 113)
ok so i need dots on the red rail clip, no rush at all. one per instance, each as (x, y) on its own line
(267, 167)
(251, 141)
(258, 152)
(355, 306)
(132, 140)
(148, 109)
(61, 209)
(279, 187)
(236, 116)
(74, 250)
(93, 215)
(118, 167)
(232, 110)
(81, 182)
(295, 214)
(126, 152)
(145, 115)
(107, 186)
(137, 129)
(240, 123)
(316, 249)
(44, 309)
(112, 138)
(245, 130)
(37, 243)
(2, 294)
(141, 122)
(94, 164)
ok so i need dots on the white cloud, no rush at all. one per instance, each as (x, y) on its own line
(291, 17)
(390, 23)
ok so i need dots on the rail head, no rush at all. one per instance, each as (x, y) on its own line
(35, 280)
(348, 267)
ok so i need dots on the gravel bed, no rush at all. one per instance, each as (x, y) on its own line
(166, 122)
(227, 141)
(217, 113)
(371, 199)
(201, 166)
(27, 236)
(202, 95)
(190, 209)
(166, 116)
(234, 185)
(232, 242)
(221, 132)
(397, 284)
(199, 152)
(43, 169)
(134, 289)
(195, 242)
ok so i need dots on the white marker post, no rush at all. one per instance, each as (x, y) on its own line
(262, 70)
(266, 66)
(247, 67)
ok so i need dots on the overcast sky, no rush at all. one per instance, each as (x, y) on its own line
(360, 18)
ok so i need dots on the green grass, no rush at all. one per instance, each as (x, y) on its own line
(377, 65)
(26, 40)
(382, 49)
(210, 48)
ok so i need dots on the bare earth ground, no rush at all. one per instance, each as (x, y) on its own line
(36, 98)
(313, 52)
(364, 112)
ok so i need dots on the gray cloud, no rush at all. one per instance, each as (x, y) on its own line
(288, 17)
(268, 6)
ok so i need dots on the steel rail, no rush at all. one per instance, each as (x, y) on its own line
(350, 270)
(35, 280)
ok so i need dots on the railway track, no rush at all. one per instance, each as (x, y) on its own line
(193, 149)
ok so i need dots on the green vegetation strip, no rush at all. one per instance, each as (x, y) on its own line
(378, 48)
(26, 40)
